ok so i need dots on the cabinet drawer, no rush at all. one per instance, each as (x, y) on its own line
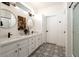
(8, 47)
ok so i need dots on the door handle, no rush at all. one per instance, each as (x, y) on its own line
(64, 32)
(46, 30)
(16, 51)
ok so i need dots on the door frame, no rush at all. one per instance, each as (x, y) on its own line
(71, 7)
(75, 5)
(66, 36)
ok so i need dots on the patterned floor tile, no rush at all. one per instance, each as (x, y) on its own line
(49, 50)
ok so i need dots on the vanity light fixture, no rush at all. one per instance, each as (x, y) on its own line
(6, 3)
(30, 14)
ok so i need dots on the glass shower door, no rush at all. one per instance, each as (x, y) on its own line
(76, 30)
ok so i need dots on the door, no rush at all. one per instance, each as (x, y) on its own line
(76, 30)
(56, 29)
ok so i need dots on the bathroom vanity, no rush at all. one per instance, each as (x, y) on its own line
(21, 46)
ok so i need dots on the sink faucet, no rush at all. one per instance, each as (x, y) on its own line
(9, 34)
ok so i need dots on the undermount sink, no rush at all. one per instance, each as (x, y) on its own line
(15, 37)
(4, 41)
(6, 38)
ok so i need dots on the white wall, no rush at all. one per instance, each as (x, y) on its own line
(38, 22)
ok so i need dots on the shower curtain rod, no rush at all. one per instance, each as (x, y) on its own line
(71, 5)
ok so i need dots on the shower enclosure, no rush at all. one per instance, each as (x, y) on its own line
(76, 30)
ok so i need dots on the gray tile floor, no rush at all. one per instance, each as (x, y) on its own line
(49, 50)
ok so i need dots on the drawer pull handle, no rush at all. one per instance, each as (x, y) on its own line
(16, 51)
(19, 48)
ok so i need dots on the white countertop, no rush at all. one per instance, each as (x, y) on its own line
(4, 41)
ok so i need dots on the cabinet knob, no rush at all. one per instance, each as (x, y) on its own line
(16, 51)
(19, 48)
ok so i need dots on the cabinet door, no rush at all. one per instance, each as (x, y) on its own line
(32, 45)
(38, 41)
(11, 53)
(8, 49)
(23, 48)
(23, 51)
(34, 42)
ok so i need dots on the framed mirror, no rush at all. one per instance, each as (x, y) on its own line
(30, 22)
(7, 18)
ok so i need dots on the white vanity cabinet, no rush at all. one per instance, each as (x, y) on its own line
(22, 47)
(16, 49)
(34, 43)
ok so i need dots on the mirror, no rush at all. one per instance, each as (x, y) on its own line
(7, 19)
(30, 22)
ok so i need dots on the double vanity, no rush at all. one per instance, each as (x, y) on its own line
(21, 46)
(11, 22)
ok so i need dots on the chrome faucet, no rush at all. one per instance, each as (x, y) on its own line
(9, 34)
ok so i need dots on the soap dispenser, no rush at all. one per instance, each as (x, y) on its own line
(1, 24)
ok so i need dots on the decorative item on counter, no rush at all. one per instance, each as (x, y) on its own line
(26, 31)
(21, 23)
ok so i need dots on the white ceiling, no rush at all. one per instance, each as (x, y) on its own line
(47, 8)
